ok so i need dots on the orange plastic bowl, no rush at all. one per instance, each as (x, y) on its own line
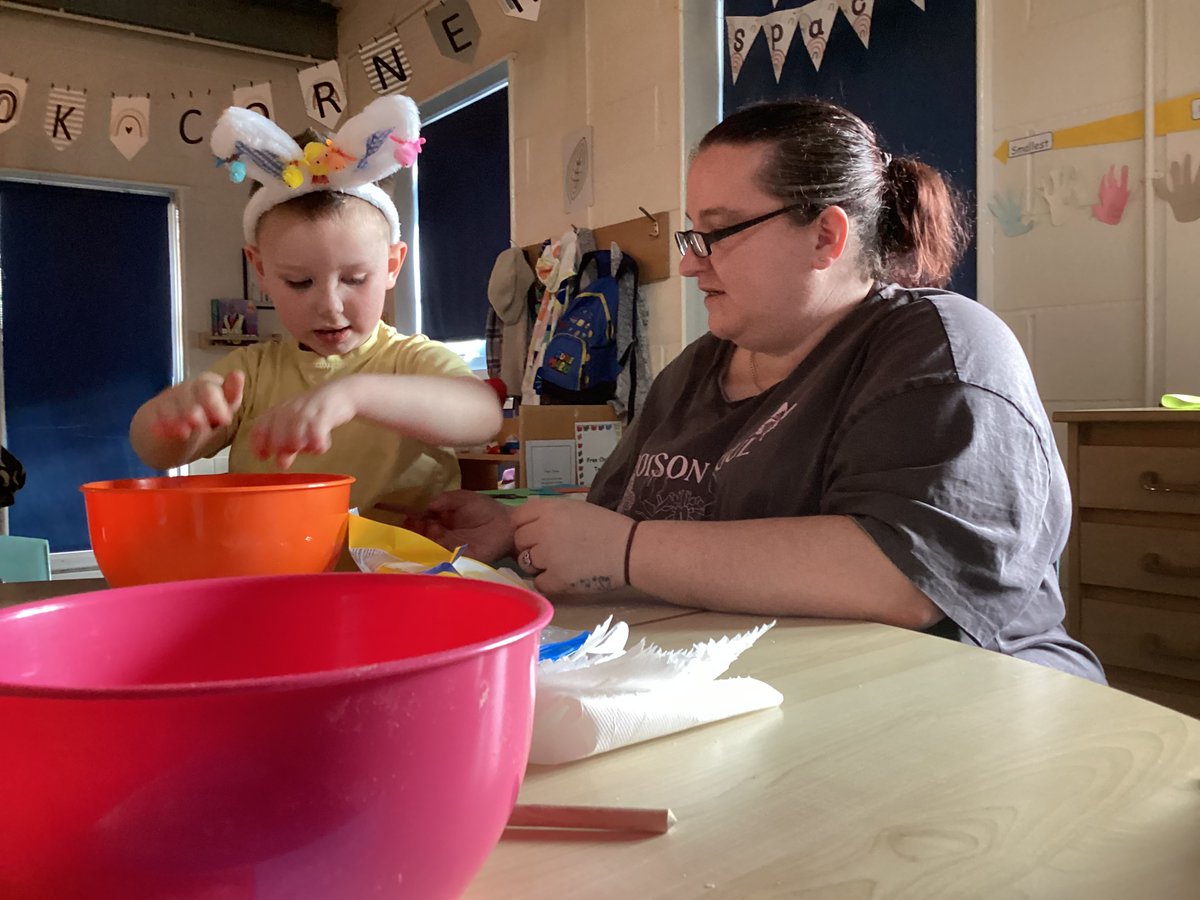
(147, 530)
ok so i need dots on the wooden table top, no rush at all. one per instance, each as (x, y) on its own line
(899, 765)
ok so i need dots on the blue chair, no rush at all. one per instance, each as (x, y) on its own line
(24, 559)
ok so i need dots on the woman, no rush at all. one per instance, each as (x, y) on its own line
(837, 444)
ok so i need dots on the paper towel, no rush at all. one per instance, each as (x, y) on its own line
(603, 696)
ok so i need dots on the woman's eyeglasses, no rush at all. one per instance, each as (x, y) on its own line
(700, 242)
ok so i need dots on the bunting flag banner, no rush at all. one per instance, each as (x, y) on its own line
(129, 124)
(12, 100)
(813, 22)
(920, 4)
(256, 97)
(387, 67)
(741, 32)
(193, 118)
(858, 14)
(780, 28)
(521, 9)
(64, 115)
(454, 29)
(323, 93)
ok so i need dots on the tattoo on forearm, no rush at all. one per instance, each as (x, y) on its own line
(593, 583)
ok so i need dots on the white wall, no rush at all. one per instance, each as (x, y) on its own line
(613, 64)
(1075, 293)
(105, 61)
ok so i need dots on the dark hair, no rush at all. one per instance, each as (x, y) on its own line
(907, 217)
(316, 204)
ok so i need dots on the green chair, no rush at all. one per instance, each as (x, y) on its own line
(24, 559)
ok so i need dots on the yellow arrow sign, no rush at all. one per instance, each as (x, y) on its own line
(1170, 116)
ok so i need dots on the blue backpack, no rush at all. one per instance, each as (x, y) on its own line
(580, 364)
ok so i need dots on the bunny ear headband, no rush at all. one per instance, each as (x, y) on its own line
(370, 146)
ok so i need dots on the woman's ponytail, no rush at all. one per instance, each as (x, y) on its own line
(921, 235)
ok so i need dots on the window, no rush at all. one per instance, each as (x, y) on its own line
(460, 207)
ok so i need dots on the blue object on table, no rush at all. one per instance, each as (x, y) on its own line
(555, 646)
(24, 558)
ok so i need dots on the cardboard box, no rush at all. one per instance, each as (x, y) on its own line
(553, 423)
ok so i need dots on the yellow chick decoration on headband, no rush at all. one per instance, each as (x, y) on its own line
(324, 158)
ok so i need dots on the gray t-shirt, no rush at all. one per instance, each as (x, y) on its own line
(917, 416)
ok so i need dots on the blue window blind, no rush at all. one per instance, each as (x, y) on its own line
(915, 85)
(463, 211)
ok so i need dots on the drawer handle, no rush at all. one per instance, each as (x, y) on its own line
(1156, 565)
(1155, 645)
(1151, 483)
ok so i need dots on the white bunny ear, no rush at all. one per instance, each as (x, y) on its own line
(374, 137)
(262, 146)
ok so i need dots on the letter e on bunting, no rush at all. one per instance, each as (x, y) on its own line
(129, 124)
(454, 29)
(12, 98)
(387, 67)
(521, 9)
(323, 93)
(64, 115)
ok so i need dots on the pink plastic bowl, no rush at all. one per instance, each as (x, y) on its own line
(336, 736)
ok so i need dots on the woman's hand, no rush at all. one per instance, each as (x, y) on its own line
(303, 424)
(466, 517)
(193, 408)
(571, 547)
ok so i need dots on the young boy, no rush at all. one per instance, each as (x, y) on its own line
(325, 243)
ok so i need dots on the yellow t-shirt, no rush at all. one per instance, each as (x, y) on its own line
(387, 465)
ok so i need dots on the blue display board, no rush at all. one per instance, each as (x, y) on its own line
(915, 84)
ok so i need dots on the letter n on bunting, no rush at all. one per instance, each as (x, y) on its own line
(387, 66)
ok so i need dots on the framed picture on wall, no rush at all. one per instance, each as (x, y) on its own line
(250, 287)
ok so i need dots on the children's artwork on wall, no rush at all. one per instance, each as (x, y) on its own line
(323, 92)
(12, 100)
(1114, 196)
(234, 319)
(64, 115)
(1058, 189)
(1183, 192)
(1007, 210)
(256, 97)
(129, 124)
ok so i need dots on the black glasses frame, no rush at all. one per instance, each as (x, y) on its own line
(700, 242)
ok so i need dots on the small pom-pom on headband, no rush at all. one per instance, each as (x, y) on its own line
(372, 145)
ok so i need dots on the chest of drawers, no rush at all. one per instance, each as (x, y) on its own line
(1132, 575)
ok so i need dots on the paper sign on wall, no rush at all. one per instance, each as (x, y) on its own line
(129, 124)
(741, 32)
(255, 97)
(594, 442)
(64, 116)
(549, 463)
(323, 92)
(12, 98)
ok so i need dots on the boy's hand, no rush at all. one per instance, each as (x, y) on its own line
(303, 424)
(198, 405)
